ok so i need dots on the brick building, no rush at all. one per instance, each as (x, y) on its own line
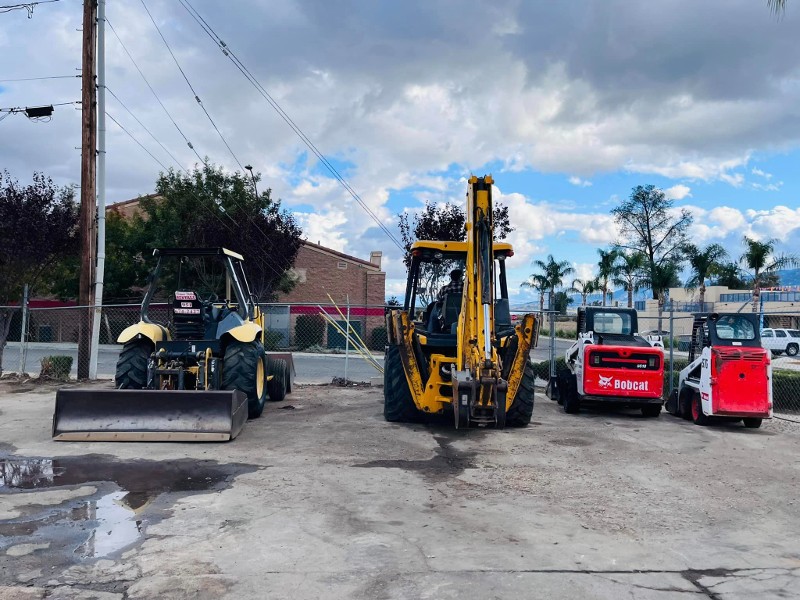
(321, 271)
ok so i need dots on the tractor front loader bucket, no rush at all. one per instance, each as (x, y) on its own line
(148, 415)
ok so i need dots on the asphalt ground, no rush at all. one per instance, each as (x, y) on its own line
(321, 498)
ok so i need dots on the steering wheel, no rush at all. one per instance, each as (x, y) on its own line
(212, 297)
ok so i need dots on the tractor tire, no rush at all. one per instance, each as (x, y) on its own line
(562, 379)
(244, 368)
(685, 403)
(651, 411)
(671, 405)
(792, 349)
(132, 365)
(276, 387)
(398, 403)
(752, 423)
(521, 410)
(698, 416)
(572, 402)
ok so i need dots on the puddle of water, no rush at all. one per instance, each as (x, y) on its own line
(117, 515)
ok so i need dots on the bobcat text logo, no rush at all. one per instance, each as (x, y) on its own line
(624, 384)
(605, 381)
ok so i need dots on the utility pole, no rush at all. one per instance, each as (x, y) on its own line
(88, 193)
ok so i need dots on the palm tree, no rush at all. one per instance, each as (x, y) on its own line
(703, 262)
(662, 277)
(537, 282)
(584, 288)
(760, 259)
(628, 272)
(728, 274)
(605, 271)
(553, 272)
(777, 7)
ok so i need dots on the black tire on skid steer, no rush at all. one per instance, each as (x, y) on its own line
(572, 402)
(521, 410)
(398, 403)
(244, 369)
(752, 422)
(132, 365)
(651, 411)
(276, 387)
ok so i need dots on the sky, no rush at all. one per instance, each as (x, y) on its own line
(568, 105)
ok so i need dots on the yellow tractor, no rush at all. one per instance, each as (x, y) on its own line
(461, 354)
(197, 378)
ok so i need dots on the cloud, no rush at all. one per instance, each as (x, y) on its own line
(678, 192)
(579, 182)
(761, 173)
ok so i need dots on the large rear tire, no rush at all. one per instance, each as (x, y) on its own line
(244, 369)
(572, 401)
(698, 416)
(521, 410)
(651, 411)
(752, 422)
(276, 387)
(685, 403)
(398, 403)
(132, 365)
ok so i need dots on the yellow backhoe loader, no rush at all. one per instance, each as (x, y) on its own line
(461, 354)
(197, 378)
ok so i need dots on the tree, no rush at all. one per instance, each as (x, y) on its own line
(584, 288)
(702, 262)
(663, 277)
(208, 207)
(777, 7)
(760, 259)
(552, 275)
(560, 302)
(648, 223)
(628, 272)
(38, 228)
(729, 274)
(538, 283)
(441, 223)
(606, 269)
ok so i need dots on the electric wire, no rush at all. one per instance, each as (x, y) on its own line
(38, 78)
(276, 106)
(142, 146)
(150, 133)
(155, 95)
(29, 6)
(191, 87)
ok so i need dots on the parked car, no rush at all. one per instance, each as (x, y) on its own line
(779, 341)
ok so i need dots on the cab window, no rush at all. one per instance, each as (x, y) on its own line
(612, 323)
(735, 328)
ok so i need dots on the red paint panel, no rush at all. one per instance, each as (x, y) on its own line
(630, 379)
(739, 381)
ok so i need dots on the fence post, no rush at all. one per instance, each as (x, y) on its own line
(671, 342)
(23, 337)
(347, 340)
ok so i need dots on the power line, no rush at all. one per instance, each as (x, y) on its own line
(276, 106)
(183, 135)
(38, 78)
(157, 141)
(196, 97)
(142, 146)
(29, 6)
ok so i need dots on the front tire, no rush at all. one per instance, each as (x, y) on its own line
(685, 403)
(651, 411)
(398, 403)
(791, 350)
(752, 423)
(276, 387)
(521, 410)
(244, 369)
(132, 365)
(698, 416)
(572, 401)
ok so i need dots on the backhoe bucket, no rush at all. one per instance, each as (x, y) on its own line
(148, 415)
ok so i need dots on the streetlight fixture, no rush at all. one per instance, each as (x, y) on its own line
(253, 177)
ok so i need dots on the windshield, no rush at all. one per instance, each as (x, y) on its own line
(735, 328)
(606, 322)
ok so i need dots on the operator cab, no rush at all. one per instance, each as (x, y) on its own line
(435, 317)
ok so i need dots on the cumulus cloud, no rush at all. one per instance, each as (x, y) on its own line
(678, 192)
(580, 182)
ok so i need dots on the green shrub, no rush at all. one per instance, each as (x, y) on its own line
(378, 339)
(309, 330)
(542, 368)
(56, 367)
(786, 390)
(272, 340)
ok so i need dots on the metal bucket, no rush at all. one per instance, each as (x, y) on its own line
(148, 415)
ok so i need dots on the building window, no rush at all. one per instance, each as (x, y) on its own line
(342, 265)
